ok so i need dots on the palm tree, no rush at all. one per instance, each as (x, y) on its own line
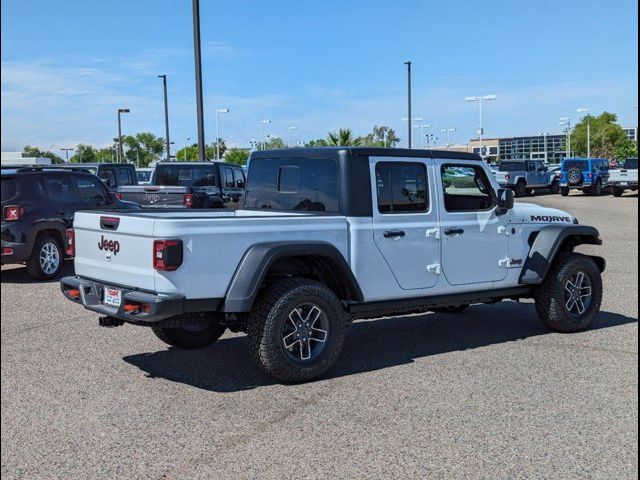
(344, 138)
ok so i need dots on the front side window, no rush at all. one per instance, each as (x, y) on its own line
(469, 190)
(303, 184)
(90, 190)
(402, 187)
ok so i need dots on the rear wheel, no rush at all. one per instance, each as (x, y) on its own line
(617, 191)
(564, 191)
(596, 190)
(190, 337)
(570, 297)
(555, 188)
(46, 258)
(296, 330)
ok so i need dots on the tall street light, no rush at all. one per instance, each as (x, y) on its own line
(566, 123)
(66, 153)
(480, 99)
(588, 112)
(220, 110)
(423, 127)
(409, 124)
(120, 150)
(262, 124)
(186, 141)
(289, 130)
(448, 131)
(166, 116)
(198, 68)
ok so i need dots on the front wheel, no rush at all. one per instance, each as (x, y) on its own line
(555, 188)
(296, 330)
(521, 189)
(198, 335)
(570, 297)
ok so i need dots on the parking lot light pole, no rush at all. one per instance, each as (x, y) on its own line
(120, 149)
(423, 127)
(166, 116)
(291, 129)
(220, 110)
(588, 112)
(448, 131)
(566, 123)
(198, 71)
(409, 121)
(480, 99)
(262, 124)
(186, 141)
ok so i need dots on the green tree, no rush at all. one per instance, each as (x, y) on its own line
(142, 148)
(626, 149)
(237, 155)
(30, 151)
(606, 135)
(84, 154)
(190, 153)
(320, 142)
(343, 138)
(381, 137)
(272, 143)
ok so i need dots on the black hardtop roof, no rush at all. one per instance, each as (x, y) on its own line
(43, 169)
(364, 151)
(199, 162)
(94, 164)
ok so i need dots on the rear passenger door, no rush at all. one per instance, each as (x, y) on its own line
(63, 195)
(405, 220)
(93, 194)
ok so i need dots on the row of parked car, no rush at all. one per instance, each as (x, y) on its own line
(39, 203)
(589, 175)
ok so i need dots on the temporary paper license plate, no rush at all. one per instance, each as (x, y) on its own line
(624, 184)
(112, 297)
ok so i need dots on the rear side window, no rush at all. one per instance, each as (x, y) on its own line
(402, 187)
(185, 175)
(228, 177)
(293, 184)
(9, 189)
(124, 176)
(61, 190)
(238, 176)
(90, 190)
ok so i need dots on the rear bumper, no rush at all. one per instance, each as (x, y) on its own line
(154, 307)
(20, 252)
(623, 183)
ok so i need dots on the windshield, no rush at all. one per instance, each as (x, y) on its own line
(186, 175)
(511, 166)
(143, 176)
(631, 163)
(576, 165)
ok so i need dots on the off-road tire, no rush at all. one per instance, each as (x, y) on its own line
(550, 296)
(189, 339)
(555, 188)
(34, 268)
(617, 191)
(267, 321)
(454, 309)
(564, 191)
(521, 189)
(596, 190)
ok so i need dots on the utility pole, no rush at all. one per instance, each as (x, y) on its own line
(166, 116)
(409, 124)
(198, 68)
(218, 111)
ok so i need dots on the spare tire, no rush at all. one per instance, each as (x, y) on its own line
(574, 176)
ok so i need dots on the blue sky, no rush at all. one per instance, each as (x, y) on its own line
(67, 66)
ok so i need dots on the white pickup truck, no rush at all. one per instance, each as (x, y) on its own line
(326, 236)
(625, 178)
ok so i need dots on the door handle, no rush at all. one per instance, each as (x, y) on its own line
(394, 234)
(454, 231)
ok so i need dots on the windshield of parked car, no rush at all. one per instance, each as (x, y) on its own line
(631, 163)
(186, 175)
(511, 166)
(143, 176)
(576, 165)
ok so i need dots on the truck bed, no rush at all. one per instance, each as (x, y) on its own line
(214, 243)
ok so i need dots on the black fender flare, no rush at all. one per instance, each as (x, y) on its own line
(255, 263)
(42, 225)
(548, 243)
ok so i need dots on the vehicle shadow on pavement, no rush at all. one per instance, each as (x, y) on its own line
(19, 275)
(370, 345)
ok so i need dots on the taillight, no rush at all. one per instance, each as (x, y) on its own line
(590, 175)
(71, 242)
(7, 250)
(167, 254)
(188, 200)
(11, 213)
(118, 195)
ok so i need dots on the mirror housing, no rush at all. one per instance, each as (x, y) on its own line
(506, 200)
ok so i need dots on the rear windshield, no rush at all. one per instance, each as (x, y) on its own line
(293, 184)
(511, 166)
(631, 163)
(186, 175)
(143, 176)
(576, 164)
(9, 189)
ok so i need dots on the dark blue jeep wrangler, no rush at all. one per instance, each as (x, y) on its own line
(590, 175)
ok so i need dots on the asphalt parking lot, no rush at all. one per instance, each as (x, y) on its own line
(489, 393)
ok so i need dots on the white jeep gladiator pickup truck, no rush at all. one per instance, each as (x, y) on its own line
(624, 178)
(327, 236)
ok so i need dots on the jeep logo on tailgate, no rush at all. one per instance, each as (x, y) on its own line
(109, 245)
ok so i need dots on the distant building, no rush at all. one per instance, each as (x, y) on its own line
(490, 148)
(549, 148)
(632, 133)
(16, 158)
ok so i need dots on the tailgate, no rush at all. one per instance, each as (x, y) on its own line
(154, 196)
(120, 255)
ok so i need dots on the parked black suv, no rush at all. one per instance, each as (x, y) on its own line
(38, 205)
(114, 175)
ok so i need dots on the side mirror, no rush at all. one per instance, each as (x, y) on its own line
(506, 200)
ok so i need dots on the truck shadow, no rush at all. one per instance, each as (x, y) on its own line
(18, 275)
(370, 345)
